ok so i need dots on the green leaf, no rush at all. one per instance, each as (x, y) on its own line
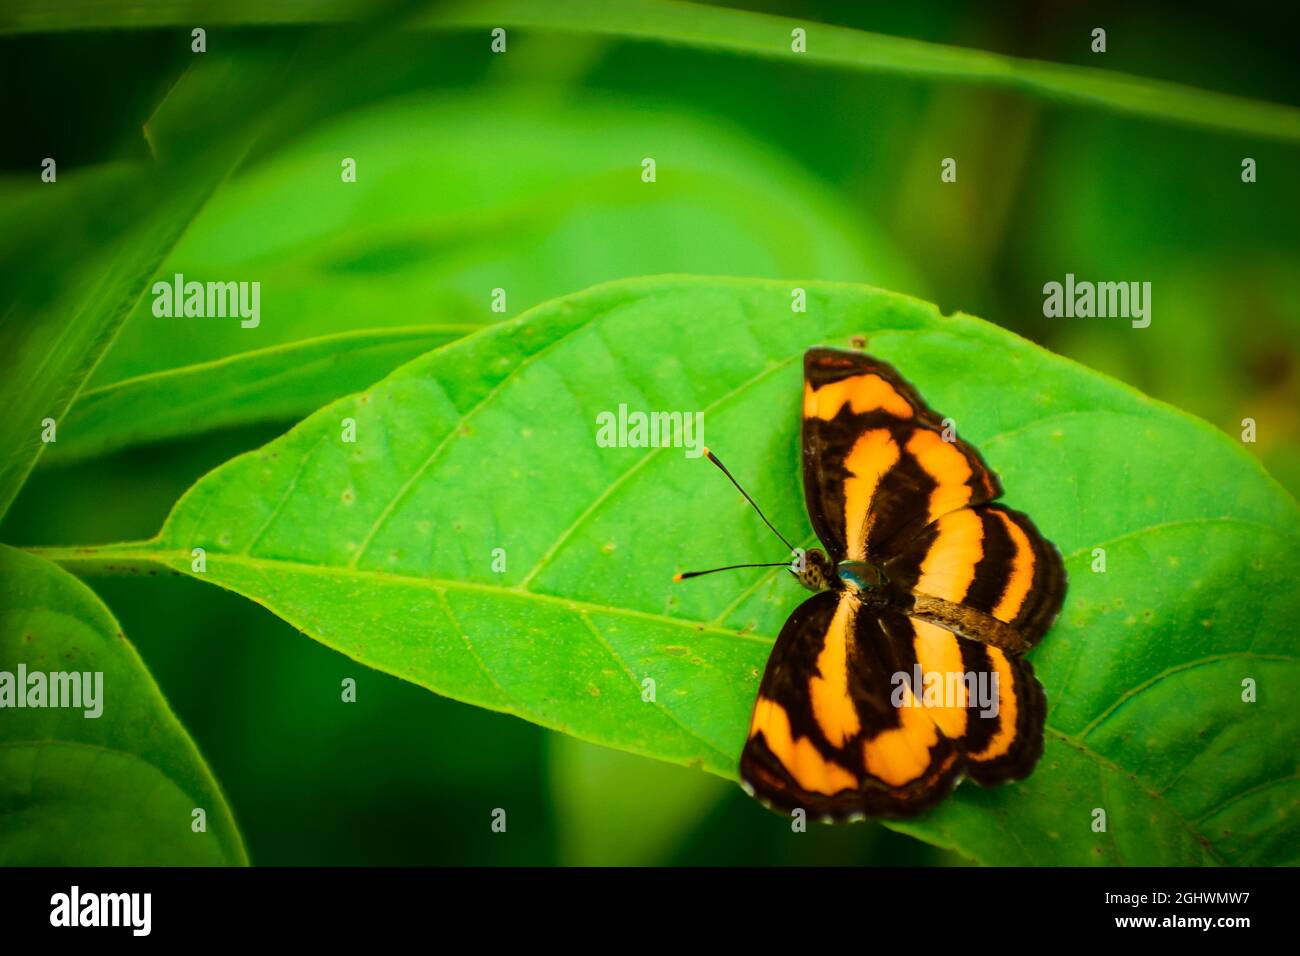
(719, 28)
(384, 550)
(519, 195)
(76, 258)
(76, 252)
(116, 789)
(280, 383)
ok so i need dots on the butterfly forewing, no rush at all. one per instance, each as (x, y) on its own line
(877, 467)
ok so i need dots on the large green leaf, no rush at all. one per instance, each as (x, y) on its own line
(455, 197)
(116, 789)
(718, 28)
(384, 549)
(75, 258)
(276, 384)
(76, 253)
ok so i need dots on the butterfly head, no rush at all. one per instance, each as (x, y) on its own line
(815, 571)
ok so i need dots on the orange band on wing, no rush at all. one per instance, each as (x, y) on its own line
(800, 758)
(949, 565)
(832, 706)
(902, 754)
(862, 393)
(872, 455)
(1007, 707)
(943, 462)
(1022, 572)
(939, 654)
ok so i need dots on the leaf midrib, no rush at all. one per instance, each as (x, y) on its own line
(172, 558)
(652, 455)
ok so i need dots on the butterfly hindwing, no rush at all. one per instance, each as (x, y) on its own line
(826, 734)
(877, 468)
(789, 759)
(987, 701)
(1010, 749)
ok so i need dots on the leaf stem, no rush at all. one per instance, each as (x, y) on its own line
(124, 559)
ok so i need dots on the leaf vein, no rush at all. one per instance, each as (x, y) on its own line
(641, 462)
(660, 707)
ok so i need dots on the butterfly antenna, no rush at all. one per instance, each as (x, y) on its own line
(714, 458)
(683, 575)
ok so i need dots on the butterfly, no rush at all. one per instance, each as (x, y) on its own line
(905, 670)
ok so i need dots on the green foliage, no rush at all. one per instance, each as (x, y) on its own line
(77, 252)
(739, 31)
(268, 385)
(77, 257)
(117, 789)
(524, 196)
(383, 549)
(523, 172)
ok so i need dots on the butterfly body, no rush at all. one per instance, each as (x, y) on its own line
(904, 672)
(860, 576)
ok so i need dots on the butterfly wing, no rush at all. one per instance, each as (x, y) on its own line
(848, 720)
(848, 725)
(989, 558)
(988, 702)
(877, 469)
(827, 735)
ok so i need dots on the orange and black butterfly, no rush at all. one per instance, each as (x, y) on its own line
(905, 671)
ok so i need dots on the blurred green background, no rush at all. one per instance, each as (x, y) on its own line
(522, 171)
